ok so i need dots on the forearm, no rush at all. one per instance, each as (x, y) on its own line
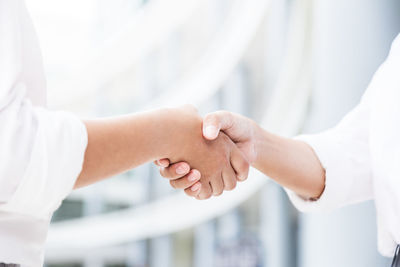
(118, 144)
(291, 163)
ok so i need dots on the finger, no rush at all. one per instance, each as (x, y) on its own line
(194, 190)
(214, 122)
(205, 192)
(162, 163)
(217, 186)
(187, 181)
(240, 164)
(229, 177)
(175, 171)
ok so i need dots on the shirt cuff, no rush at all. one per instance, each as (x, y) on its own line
(55, 163)
(336, 185)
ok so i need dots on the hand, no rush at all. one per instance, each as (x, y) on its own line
(220, 162)
(181, 176)
(240, 129)
(291, 163)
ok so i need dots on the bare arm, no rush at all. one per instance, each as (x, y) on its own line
(119, 144)
(122, 143)
(291, 163)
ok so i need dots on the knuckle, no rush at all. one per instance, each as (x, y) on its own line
(227, 115)
(212, 118)
(219, 112)
(209, 117)
(223, 113)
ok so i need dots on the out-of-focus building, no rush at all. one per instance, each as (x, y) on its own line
(294, 66)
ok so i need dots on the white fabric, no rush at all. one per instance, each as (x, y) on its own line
(41, 151)
(361, 155)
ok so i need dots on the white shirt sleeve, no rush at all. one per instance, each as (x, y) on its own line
(41, 151)
(344, 152)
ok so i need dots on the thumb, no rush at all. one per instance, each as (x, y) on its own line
(214, 122)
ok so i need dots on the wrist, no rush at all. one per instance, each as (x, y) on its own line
(177, 127)
(150, 129)
(162, 123)
(263, 143)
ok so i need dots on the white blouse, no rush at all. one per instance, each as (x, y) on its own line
(361, 155)
(41, 151)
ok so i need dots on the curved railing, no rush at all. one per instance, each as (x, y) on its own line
(284, 115)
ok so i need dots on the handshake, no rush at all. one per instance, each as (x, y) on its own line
(202, 156)
(207, 156)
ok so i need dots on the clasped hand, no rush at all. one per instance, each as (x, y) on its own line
(214, 153)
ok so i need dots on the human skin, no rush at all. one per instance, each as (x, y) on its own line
(118, 144)
(291, 163)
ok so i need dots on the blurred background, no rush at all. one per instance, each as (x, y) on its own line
(296, 66)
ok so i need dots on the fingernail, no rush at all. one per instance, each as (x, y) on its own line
(160, 163)
(196, 187)
(182, 169)
(210, 131)
(163, 163)
(192, 178)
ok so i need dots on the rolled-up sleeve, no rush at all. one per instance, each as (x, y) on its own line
(345, 150)
(42, 154)
(344, 153)
(41, 151)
